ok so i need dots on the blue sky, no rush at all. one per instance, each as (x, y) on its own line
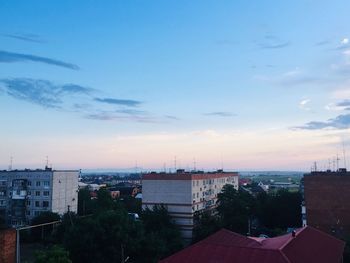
(106, 84)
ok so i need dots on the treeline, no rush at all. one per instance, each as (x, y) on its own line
(103, 231)
(268, 214)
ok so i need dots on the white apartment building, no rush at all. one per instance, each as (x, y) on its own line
(185, 194)
(25, 194)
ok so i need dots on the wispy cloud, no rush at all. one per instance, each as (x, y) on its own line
(123, 102)
(344, 103)
(220, 114)
(10, 57)
(340, 122)
(323, 43)
(303, 104)
(25, 37)
(119, 116)
(273, 42)
(171, 117)
(41, 92)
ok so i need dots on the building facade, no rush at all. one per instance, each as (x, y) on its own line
(25, 194)
(185, 194)
(326, 203)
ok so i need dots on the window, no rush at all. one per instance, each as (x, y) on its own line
(36, 213)
(37, 193)
(2, 193)
(29, 183)
(45, 203)
(29, 192)
(194, 196)
(46, 183)
(28, 202)
(2, 202)
(28, 213)
(46, 193)
(197, 182)
(193, 184)
(197, 195)
(37, 183)
(18, 192)
(37, 204)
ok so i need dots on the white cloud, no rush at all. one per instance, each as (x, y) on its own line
(345, 41)
(303, 104)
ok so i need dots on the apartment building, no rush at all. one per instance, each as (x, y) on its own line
(25, 194)
(185, 194)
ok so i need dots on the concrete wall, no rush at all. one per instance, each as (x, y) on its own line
(65, 191)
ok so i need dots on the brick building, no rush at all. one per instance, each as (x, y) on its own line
(326, 203)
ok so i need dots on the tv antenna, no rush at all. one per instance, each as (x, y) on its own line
(175, 163)
(337, 162)
(11, 162)
(194, 164)
(344, 156)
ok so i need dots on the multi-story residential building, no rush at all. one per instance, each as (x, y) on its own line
(25, 194)
(185, 194)
(326, 203)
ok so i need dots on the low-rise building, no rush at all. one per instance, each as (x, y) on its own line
(185, 194)
(25, 194)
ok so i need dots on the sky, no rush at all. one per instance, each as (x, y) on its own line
(239, 85)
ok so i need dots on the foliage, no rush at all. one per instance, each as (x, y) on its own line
(205, 225)
(280, 210)
(85, 204)
(132, 204)
(162, 238)
(102, 238)
(43, 233)
(235, 209)
(55, 254)
(241, 212)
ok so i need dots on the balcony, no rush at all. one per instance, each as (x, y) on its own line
(19, 194)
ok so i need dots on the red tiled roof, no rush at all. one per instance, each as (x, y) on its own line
(308, 245)
(187, 176)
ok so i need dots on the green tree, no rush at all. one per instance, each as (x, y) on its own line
(85, 204)
(55, 254)
(280, 210)
(44, 233)
(235, 209)
(132, 204)
(205, 225)
(103, 237)
(163, 238)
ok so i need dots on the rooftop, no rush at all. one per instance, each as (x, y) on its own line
(303, 246)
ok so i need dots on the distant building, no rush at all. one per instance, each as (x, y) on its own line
(326, 203)
(25, 194)
(304, 245)
(185, 193)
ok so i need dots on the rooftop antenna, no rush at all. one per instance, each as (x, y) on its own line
(47, 162)
(194, 164)
(315, 166)
(11, 162)
(329, 164)
(175, 163)
(222, 163)
(164, 167)
(333, 164)
(337, 162)
(344, 156)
